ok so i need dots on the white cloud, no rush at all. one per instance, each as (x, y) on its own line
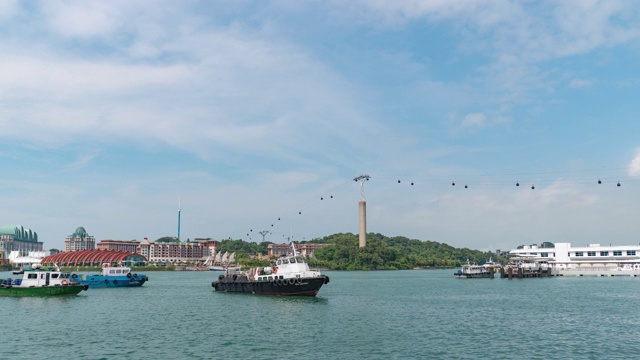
(580, 83)
(8, 9)
(634, 166)
(474, 120)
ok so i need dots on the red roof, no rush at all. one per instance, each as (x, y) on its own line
(88, 257)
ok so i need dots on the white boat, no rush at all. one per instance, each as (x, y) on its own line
(473, 271)
(223, 262)
(40, 282)
(492, 264)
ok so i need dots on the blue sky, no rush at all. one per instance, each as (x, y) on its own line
(252, 111)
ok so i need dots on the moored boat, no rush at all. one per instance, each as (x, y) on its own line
(222, 262)
(474, 271)
(290, 277)
(111, 276)
(38, 282)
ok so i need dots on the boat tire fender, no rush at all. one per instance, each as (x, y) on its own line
(129, 275)
(74, 276)
(115, 281)
(106, 281)
(292, 281)
(326, 279)
(135, 275)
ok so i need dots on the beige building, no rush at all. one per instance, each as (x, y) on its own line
(79, 240)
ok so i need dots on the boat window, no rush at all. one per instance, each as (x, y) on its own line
(631, 252)
(617, 253)
(285, 261)
(300, 259)
(33, 276)
(279, 262)
(293, 260)
(54, 276)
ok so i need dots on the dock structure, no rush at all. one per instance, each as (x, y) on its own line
(524, 272)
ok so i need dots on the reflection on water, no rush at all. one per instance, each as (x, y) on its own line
(358, 315)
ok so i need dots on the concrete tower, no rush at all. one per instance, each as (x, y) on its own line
(362, 218)
(363, 223)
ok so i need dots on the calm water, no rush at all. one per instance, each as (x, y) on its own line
(358, 315)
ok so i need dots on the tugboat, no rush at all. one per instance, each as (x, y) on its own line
(291, 277)
(117, 276)
(38, 282)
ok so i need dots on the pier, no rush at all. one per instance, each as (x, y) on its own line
(525, 272)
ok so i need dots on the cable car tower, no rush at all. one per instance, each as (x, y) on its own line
(362, 211)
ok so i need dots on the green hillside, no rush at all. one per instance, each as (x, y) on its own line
(381, 253)
(393, 253)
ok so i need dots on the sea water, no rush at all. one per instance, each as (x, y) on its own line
(421, 314)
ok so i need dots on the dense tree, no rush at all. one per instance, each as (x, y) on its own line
(384, 253)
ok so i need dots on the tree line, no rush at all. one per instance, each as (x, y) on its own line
(381, 253)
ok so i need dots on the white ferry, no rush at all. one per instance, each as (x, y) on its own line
(474, 271)
(590, 260)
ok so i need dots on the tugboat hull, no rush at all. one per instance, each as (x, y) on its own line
(280, 287)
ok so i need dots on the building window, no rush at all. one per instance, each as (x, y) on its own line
(631, 252)
(604, 253)
(617, 253)
(579, 253)
(591, 253)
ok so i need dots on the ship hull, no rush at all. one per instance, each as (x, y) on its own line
(472, 276)
(101, 281)
(285, 287)
(55, 290)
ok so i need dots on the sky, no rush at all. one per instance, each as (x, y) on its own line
(257, 116)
